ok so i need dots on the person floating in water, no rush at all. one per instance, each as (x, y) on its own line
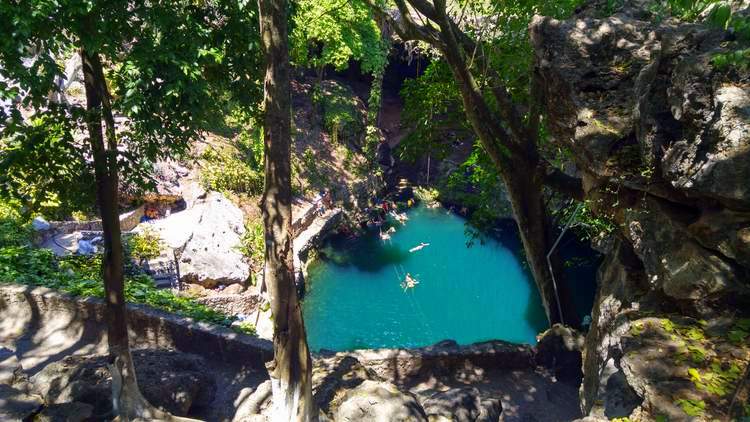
(385, 236)
(409, 282)
(419, 247)
(400, 217)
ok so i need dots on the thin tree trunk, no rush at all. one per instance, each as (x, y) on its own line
(291, 368)
(127, 401)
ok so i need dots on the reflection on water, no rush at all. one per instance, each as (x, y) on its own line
(355, 299)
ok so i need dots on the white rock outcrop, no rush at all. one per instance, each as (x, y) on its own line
(205, 239)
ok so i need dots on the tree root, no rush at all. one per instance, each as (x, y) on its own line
(128, 403)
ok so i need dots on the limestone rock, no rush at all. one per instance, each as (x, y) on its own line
(332, 377)
(688, 270)
(233, 289)
(40, 224)
(376, 401)
(16, 405)
(559, 349)
(250, 403)
(170, 380)
(462, 405)
(662, 138)
(65, 412)
(206, 238)
(211, 256)
(233, 304)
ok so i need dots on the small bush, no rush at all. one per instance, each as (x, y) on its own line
(253, 244)
(224, 171)
(245, 327)
(144, 246)
(13, 229)
(311, 169)
(341, 117)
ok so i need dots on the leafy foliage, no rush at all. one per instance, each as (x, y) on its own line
(692, 407)
(144, 245)
(45, 169)
(740, 331)
(245, 327)
(81, 275)
(332, 32)
(711, 360)
(476, 185)
(341, 114)
(224, 171)
(253, 243)
(432, 106)
(236, 168)
(13, 231)
(170, 67)
(587, 224)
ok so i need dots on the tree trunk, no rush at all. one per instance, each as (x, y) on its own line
(525, 189)
(127, 402)
(291, 368)
(523, 178)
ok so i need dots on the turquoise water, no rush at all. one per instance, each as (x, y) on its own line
(354, 298)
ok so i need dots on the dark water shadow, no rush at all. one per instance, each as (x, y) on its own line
(581, 263)
(366, 252)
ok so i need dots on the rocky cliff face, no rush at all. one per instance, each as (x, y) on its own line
(662, 141)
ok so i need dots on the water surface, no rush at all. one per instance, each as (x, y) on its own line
(355, 299)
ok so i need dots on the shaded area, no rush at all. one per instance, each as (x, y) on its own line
(39, 327)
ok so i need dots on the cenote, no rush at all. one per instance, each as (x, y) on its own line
(355, 300)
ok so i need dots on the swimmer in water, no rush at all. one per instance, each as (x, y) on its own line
(385, 236)
(409, 282)
(400, 217)
(419, 247)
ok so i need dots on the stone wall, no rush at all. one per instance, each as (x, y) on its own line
(36, 312)
(444, 357)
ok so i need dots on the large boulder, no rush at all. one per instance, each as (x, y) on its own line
(334, 376)
(379, 401)
(559, 349)
(206, 239)
(170, 380)
(462, 405)
(211, 256)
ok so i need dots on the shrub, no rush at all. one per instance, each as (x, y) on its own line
(144, 245)
(245, 327)
(341, 116)
(253, 244)
(13, 229)
(224, 171)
